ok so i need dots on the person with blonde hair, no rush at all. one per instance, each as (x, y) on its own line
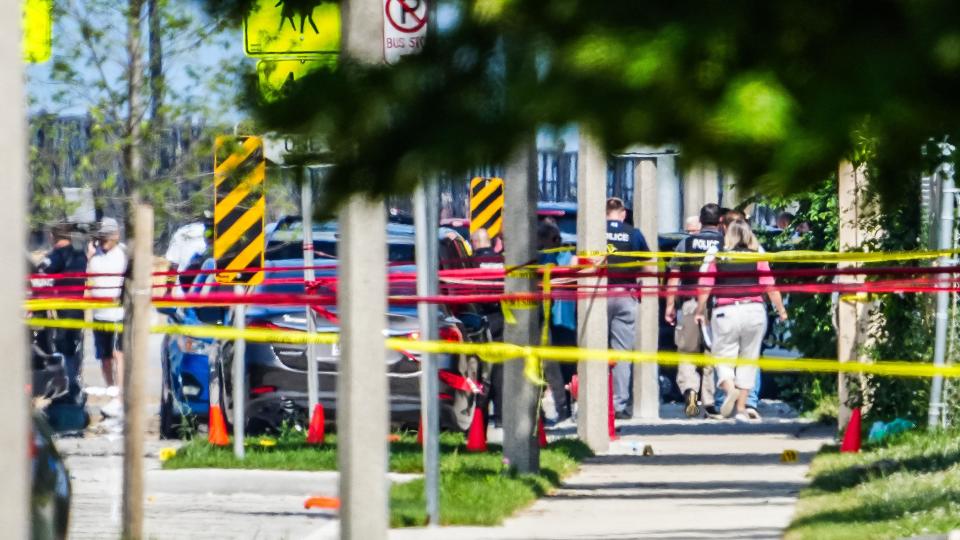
(739, 317)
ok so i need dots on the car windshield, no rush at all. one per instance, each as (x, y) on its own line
(286, 242)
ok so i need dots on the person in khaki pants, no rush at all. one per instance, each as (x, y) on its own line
(687, 334)
(739, 318)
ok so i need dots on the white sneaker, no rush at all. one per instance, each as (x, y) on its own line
(113, 409)
(745, 418)
(113, 391)
(753, 414)
(729, 403)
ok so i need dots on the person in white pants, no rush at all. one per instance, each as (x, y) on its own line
(739, 319)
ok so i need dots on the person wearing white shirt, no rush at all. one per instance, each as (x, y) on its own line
(108, 266)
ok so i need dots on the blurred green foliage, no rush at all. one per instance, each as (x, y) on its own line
(770, 91)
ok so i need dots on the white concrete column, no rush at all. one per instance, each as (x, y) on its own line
(14, 465)
(668, 194)
(646, 389)
(700, 186)
(362, 392)
(592, 312)
(731, 195)
(520, 395)
(853, 318)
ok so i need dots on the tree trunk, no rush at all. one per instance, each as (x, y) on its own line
(155, 29)
(132, 159)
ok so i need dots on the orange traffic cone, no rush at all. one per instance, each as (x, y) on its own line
(611, 427)
(477, 436)
(420, 432)
(217, 435)
(317, 428)
(541, 433)
(851, 438)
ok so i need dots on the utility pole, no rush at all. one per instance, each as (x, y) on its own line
(646, 386)
(362, 409)
(14, 402)
(521, 396)
(427, 220)
(592, 311)
(947, 196)
(137, 337)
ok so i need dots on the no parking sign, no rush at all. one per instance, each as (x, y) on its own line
(404, 28)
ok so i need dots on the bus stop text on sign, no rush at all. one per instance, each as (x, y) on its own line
(404, 28)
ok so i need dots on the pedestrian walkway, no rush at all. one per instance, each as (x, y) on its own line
(706, 479)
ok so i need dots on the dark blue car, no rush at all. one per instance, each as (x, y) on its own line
(185, 394)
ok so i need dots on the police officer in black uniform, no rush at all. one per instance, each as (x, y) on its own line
(622, 307)
(67, 257)
(687, 333)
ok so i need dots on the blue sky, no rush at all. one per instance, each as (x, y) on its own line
(204, 60)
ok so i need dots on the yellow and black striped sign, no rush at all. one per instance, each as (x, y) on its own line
(239, 208)
(486, 205)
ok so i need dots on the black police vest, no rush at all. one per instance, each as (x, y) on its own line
(619, 239)
(748, 277)
(701, 242)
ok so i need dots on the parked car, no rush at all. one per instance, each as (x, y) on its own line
(49, 487)
(285, 242)
(276, 373)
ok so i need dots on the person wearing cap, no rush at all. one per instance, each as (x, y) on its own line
(687, 335)
(108, 265)
(65, 258)
(622, 303)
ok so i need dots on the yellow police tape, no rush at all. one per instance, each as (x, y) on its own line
(795, 256)
(501, 352)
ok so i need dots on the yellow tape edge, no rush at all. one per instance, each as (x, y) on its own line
(497, 352)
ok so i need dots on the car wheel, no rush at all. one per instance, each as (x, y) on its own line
(169, 427)
(465, 402)
(224, 393)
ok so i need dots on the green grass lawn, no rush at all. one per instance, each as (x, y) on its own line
(905, 487)
(475, 489)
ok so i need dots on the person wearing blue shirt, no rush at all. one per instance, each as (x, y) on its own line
(562, 322)
(623, 298)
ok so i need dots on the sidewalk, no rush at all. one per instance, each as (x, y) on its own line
(707, 479)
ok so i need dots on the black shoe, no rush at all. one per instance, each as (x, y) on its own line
(712, 412)
(691, 408)
(622, 415)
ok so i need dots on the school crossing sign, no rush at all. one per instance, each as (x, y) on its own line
(404, 28)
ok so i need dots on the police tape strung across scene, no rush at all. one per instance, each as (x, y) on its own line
(502, 352)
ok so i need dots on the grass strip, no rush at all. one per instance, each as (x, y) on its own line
(907, 486)
(475, 488)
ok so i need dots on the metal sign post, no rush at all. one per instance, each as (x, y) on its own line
(427, 219)
(239, 377)
(306, 208)
(948, 193)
